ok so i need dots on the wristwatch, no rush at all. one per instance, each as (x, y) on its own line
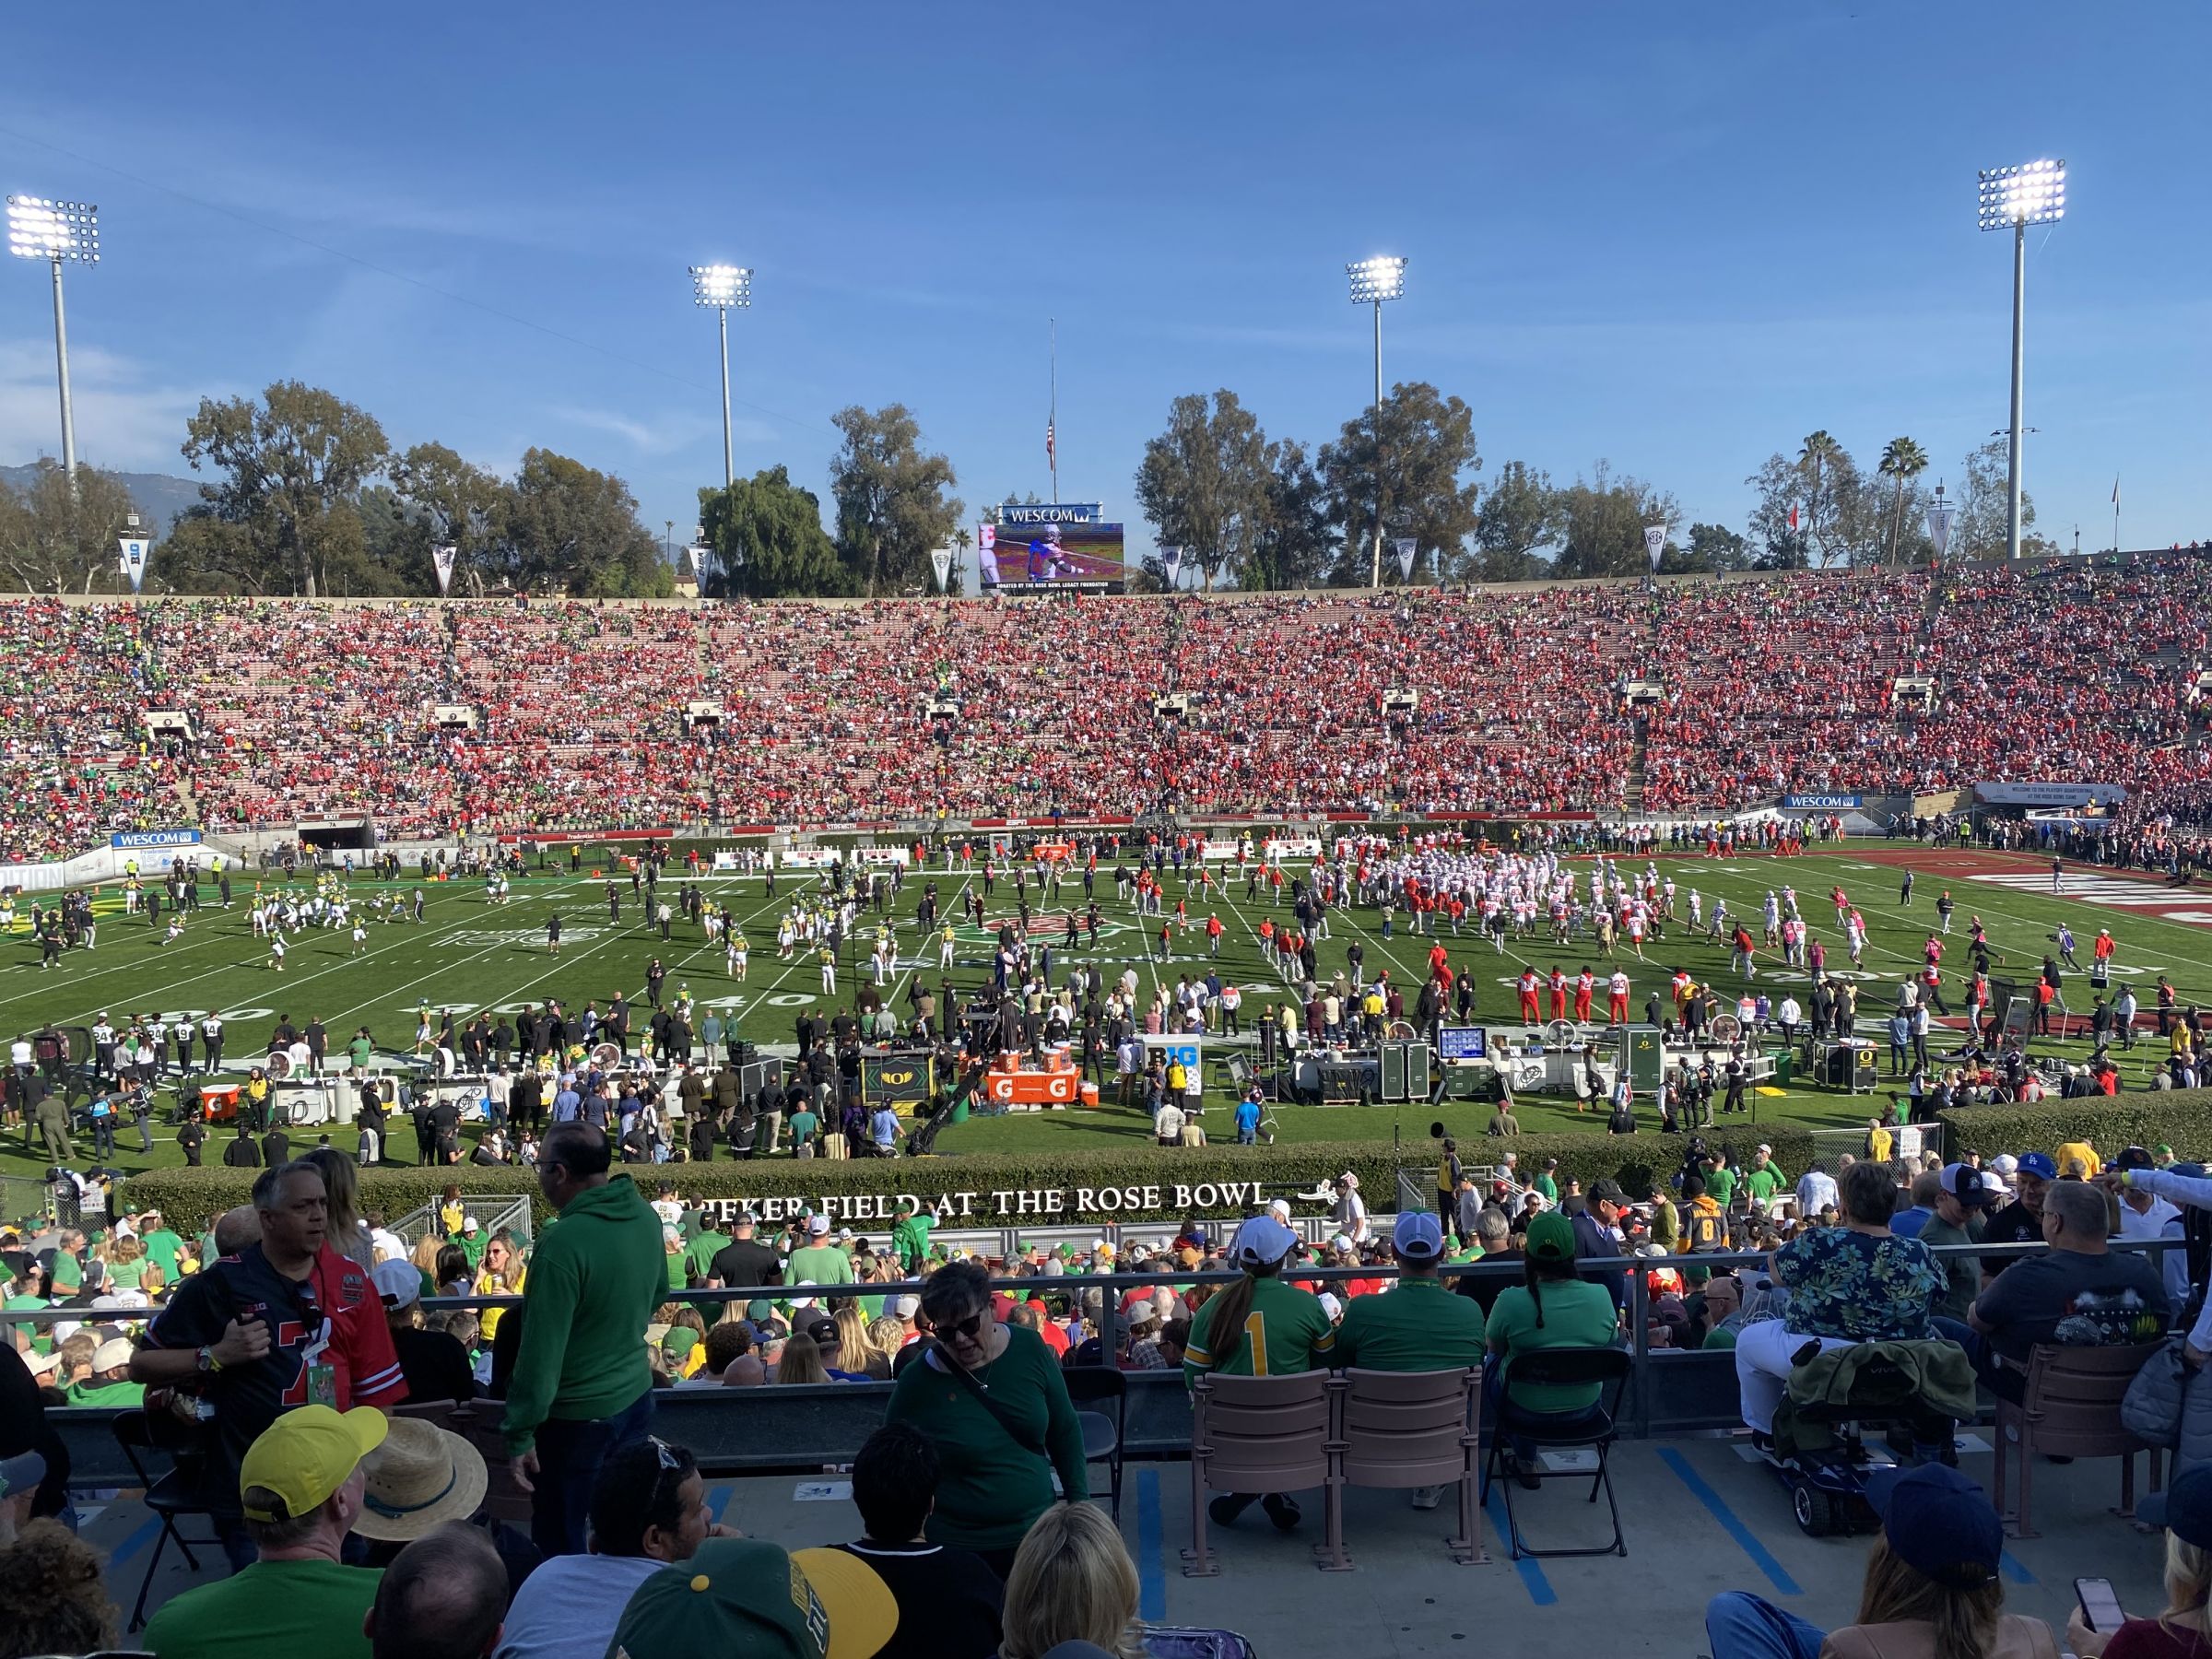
(208, 1362)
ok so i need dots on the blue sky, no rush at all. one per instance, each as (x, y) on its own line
(1678, 239)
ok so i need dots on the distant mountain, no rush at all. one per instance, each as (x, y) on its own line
(160, 497)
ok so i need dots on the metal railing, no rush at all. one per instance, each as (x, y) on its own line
(1670, 1392)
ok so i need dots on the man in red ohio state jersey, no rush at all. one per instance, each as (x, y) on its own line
(285, 1322)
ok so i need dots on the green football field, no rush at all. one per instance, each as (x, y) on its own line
(469, 953)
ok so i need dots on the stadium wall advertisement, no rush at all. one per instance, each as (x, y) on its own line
(2049, 795)
(1823, 803)
(133, 840)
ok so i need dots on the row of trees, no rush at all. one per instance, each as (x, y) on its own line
(1257, 513)
(308, 497)
(894, 507)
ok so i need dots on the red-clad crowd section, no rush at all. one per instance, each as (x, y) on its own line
(1781, 684)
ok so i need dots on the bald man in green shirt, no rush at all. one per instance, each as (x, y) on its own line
(1418, 1326)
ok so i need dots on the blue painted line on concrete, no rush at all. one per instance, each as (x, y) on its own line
(1151, 1571)
(2015, 1569)
(1760, 1556)
(148, 1530)
(1532, 1572)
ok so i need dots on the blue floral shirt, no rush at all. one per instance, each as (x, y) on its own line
(1859, 1288)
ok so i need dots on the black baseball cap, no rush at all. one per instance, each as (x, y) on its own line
(2184, 1508)
(1608, 1190)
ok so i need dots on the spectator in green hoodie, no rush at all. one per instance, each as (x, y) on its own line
(583, 1382)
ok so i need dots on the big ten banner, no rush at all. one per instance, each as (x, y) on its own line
(1171, 1048)
(902, 1082)
(1291, 846)
(883, 855)
(1051, 543)
(989, 1204)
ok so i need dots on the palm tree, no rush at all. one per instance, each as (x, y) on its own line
(1819, 449)
(1903, 460)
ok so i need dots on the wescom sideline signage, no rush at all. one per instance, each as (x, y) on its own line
(128, 841)
(1016, 1204)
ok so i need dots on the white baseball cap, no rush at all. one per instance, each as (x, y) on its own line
(1279, 1208)
(398, 1282)
(818, 1224)
(906, 1307)
(1330, 1305)
(115, 1352)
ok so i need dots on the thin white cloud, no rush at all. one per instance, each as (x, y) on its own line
(666, 434)
(123, 421)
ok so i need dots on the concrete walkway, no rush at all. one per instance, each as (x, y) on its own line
(1699, 1516)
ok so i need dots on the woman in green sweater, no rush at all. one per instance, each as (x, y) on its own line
(992, 1399)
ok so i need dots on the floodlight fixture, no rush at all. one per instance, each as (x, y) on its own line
(41, 228)
(721, 286)
(1377, 279)
(2034, 194)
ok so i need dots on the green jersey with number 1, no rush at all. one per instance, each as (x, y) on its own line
(1285, 1328)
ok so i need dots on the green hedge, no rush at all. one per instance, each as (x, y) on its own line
(2180, 1119)
(866, 1187)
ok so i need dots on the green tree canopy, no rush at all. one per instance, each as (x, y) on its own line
(1204, 483)
(55, 539)
(1711, 548)
(567, 526)
(293, 464)
(1598, 523)
(893, 502)
(768, 535)
(1426, 449)
(456, 503)
(1298, 538)
(1514, 520)
(1979, 532)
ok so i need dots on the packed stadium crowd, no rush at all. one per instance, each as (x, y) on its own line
(574, 715)
(472, 1481)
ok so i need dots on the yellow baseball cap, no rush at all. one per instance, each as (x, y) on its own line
(307, 1454)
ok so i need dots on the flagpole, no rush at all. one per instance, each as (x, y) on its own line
(2115, 514)
(1051, 417)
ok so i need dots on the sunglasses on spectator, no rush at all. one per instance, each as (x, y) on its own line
(969, 1327)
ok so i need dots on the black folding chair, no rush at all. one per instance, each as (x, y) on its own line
(1102, 1435)
(1594, 1429)
(185, 1487)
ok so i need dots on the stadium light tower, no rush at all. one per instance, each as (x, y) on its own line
(39, 228)
(1373, 281)
(2012, 198)
(721, 287)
